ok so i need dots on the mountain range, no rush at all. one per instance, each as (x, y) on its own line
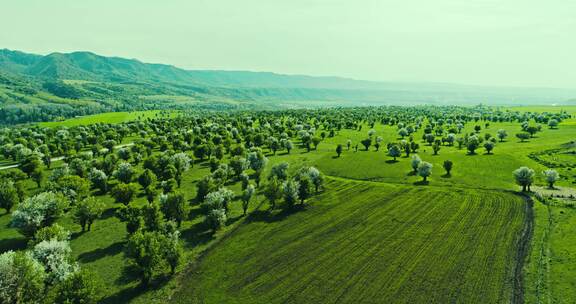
(36, 87)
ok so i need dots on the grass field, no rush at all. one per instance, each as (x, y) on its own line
(112, 117)
(369, 243)
(375, 234)
(550, 271)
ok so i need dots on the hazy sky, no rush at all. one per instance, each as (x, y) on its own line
(505, 42)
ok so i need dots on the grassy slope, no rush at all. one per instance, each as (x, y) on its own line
(112, 117)
(369, 243)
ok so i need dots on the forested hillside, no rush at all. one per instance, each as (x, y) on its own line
(58, 85)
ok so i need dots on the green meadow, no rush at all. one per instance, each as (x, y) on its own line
(107, 118)
(375, 233)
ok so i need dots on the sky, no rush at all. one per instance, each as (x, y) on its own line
(485, 42)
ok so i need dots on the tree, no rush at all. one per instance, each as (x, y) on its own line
(174, 207)
(403, 132)
(124, 193)
(37, 176)
(21, 278)
(304, 186)
(145, 251)
(436, 148)
(216, 218)
(173, 251)
(153, 217)
(247, 196)
(181, 162)
(532, 130)
(279, 171)
(38, 211)
(273, 144)
(99, 180)
(238, 165)
(289, 146)
(551, 177)
(553, 123)
(316, 141)
(147, 178)
(8, 195)
(290, 191)
(74, 187)
(200, 151)
(273, 191)
(424, 170)
(394, 151)
(124, 172)
(502, 134)
(87, 211)
(56, 258)
(81, 287)
(257, 161)
(30, 164)
(151, 193)
(54, 232)
(524, 177)
(447, 166)
(339, 149)
(429, 138)
(472, 144)
(219, 199)
(205, 186)
(366, 143)
(317, 178)
(415, 162)
(132, 216)
(523, 136)
(489, 146)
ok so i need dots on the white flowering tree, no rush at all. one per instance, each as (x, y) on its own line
(37, 211)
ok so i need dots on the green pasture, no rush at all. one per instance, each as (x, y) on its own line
(374, 234)
(369, 243)
(111, 117)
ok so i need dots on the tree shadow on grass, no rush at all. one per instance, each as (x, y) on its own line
(195, 212)
(12, 244)
(446, 175)
(196, 235)
(272, 216)
(126, 295)
(391, 161)
(233, 220)
(108, 213)
(411, 173)
(99, 253)
(422, 183)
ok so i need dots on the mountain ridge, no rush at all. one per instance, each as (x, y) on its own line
(58, 85)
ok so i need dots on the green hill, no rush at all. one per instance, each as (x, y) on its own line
(43, 88)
